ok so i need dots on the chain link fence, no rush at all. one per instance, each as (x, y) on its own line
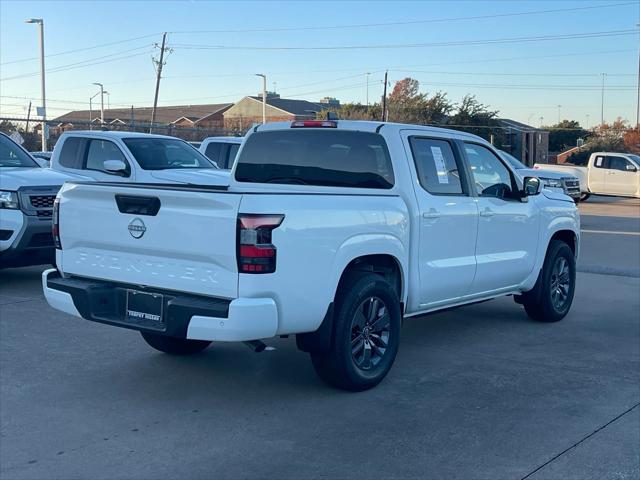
(30, 130)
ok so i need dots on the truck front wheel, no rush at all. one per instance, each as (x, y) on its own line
(173, 345)
(366, 334)
(551, 297)
(584, 197)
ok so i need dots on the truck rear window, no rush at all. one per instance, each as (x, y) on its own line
(316, 157)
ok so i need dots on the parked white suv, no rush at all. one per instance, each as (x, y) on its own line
(330, 230)
(27, 192)
(563, 182)
(115, 156)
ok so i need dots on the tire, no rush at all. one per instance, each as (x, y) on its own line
(584, 197)
(367, 316)
(173, 345)
(551, 297)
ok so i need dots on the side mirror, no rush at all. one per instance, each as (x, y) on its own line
(115, 166)
(631, 168)
(530, 186)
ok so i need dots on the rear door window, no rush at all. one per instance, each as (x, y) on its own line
(324, 157)
(213, 151)
(437, 166)
(601, 162)
(72, 153)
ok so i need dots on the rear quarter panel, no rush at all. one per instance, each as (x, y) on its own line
(318, 238)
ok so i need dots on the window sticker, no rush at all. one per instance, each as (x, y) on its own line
(441, 166)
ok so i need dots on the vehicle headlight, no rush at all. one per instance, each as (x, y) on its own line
(9, 199)
(552, 182)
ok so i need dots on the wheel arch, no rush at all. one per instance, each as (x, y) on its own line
(386, 263)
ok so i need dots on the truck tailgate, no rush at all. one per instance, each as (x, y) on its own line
(114, 233)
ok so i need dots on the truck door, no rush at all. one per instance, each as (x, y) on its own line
(448, 219)
(622, 177)
(507, 242)
(597, 174)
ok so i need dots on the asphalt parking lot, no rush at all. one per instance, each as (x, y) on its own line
(480, 392)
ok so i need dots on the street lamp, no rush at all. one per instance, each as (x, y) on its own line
(91, 110)
(264, 96)
(44, 101)
(101, 101)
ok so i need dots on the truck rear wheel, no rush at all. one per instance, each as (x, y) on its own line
(366, 335)
(551, 297)
(173, 345)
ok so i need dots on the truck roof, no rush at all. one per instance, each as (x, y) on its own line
(374, 126)
(114, 134)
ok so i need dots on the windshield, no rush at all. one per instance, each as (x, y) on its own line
(513, 161)
(165, 153)
(11, 155)
(635, 158)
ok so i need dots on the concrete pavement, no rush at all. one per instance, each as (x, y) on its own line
(480, 392)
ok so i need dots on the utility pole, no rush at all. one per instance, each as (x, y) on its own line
(43, 132)
(602, 101)
(638, 99)
(559, 109)
(384, 98)
(367, 77)
(588, 121)
(159, 75)
(264, 96)
(26, 128)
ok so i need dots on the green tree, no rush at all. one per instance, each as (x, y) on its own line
(565, 135)
(475, 117)
(406, 104)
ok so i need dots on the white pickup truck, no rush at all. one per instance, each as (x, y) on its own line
(115, 156)
(221, 150)
(330, 230)
(606, 173)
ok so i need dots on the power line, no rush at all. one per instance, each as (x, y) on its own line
(85, 63)
(80, 49)
(411, 22)
(539, 38)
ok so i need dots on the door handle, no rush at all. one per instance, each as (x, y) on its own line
(487, 213)
(432, 213)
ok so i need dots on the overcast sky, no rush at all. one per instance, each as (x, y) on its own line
(457, 47)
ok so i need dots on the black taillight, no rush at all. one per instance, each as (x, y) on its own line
(55, 226)
(256, 252)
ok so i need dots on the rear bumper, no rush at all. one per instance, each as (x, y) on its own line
(192, 317)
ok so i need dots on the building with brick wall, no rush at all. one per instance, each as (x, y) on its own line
(248, 111)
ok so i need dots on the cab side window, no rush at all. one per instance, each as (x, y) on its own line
(231, 157)
(101, 150)
(491, 177)
(437, 166)
(620, 163)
